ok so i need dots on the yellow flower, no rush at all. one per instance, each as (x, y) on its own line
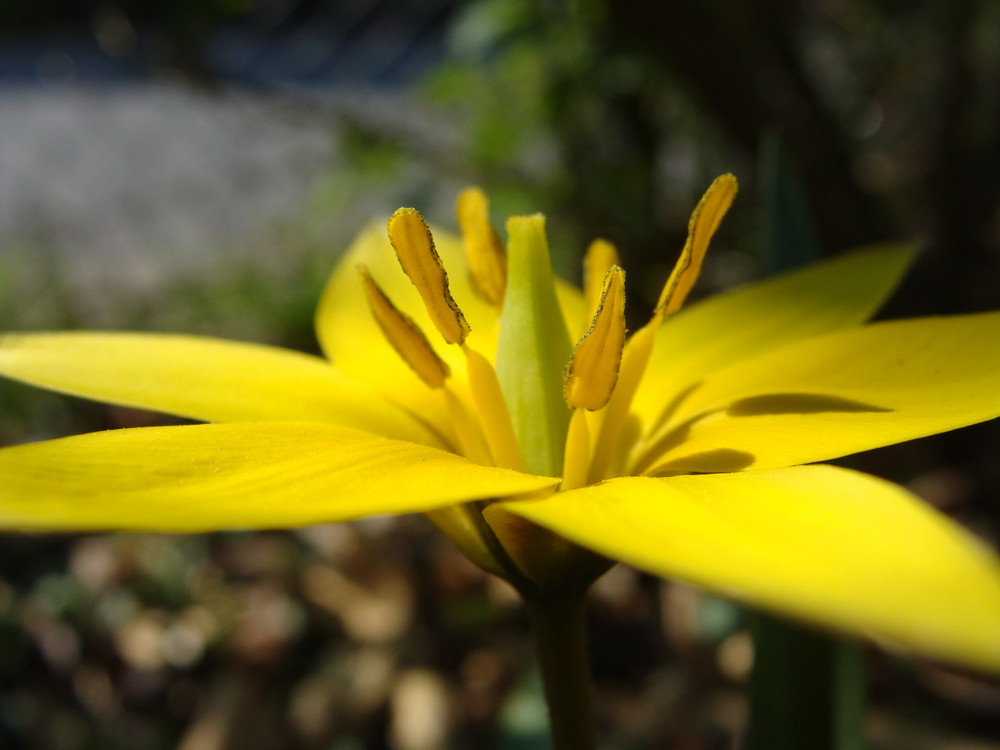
(682, 450)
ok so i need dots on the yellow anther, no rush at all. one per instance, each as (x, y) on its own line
(483, 249)
(403, 334)
(593, 368)
(414, 246)
(704, 221)
(601, 255)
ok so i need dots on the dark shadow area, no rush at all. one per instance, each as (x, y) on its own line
(724, 459)
(798, 403)
(718, 461)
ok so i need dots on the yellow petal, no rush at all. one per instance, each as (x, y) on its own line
(248, 475)
(838, 394)
(200, 378)
(727, 328)
(824, 544)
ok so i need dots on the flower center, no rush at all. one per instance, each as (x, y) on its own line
(519, 416)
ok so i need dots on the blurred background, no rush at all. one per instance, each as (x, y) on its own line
(197, 166)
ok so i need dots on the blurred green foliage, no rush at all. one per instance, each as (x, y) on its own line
(558, 117)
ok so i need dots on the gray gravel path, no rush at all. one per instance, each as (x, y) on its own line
(138, 178)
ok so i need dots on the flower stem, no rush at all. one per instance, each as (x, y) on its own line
(807, 689)
(559, 630)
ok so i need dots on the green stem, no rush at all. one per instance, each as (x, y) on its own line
(806, 690)
(559, 630)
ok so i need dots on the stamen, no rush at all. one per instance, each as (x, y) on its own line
(593, 368)
(576, 459)
(492, 408)
(414, 246)
(403, 334)
(471, 441)
(704, 221)
(483, 249)
(634, 360)
(601, 255)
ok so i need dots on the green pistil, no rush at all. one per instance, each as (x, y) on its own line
(534, 348)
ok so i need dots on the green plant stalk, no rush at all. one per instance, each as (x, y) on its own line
(559, 629)
(807, 689)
